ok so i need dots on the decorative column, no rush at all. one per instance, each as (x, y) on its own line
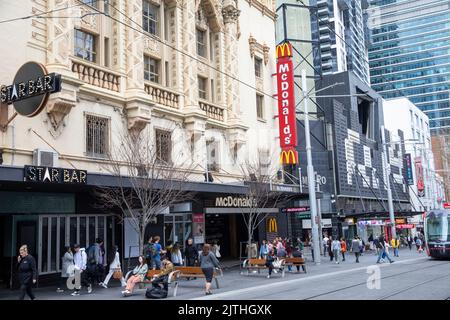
(59, 41)
(230, 17)
(137, 108)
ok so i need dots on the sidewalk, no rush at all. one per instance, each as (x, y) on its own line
(232, 280)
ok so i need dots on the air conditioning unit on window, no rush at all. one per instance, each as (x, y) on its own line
(45, 158)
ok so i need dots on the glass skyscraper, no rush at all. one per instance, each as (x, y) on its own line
(410, 54)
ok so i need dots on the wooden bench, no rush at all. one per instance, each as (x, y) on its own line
(196, 272)
(260, 264)
(295, 262)
(172, 279)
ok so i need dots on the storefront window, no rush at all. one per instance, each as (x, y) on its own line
(44, 247)
(53, 243)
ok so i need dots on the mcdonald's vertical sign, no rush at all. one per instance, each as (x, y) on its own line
(286, 104)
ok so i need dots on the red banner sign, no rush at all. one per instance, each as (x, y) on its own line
(286, 104)
(446, 205)
(420, 179)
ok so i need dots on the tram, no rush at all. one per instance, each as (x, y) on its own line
(437, 233)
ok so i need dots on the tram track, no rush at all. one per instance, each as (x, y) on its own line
(413, 287)
(382, 278)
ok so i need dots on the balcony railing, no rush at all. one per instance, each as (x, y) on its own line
(212, 111)
(96, 76)
(162, 95)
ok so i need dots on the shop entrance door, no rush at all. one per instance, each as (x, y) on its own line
(56, 232)
(178, 229)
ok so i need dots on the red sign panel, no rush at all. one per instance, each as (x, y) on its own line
(286, 104)
(446, 205)
(419, 175)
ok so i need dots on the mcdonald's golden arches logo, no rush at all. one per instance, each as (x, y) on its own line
(284, 50)
(272, 225)
(289, 157)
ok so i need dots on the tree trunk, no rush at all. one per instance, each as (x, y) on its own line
(249, 243)
(141, 241)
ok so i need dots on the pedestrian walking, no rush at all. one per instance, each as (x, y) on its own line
(94, 262)
(216, 250)
(355, 248)
(27, 273)
(67, 270)
(336, 247)
(370, 239)
(80, 261)
(382, 250)
(156, 258)
(208, 262)
(419, 245)
(343, 248)
(176, 257)
(395, 243)
(138, 275)
(330, 250)
(263, 250)
(409, 239)
(325, 245)
(114, 269)
(191, 253)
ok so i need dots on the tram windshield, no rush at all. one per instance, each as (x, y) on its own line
(438, 228)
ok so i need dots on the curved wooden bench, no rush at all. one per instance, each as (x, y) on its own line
(196, 272)
(296, 262)
(260, 264)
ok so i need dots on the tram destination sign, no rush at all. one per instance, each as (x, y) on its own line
(31, 88)
(54, 175)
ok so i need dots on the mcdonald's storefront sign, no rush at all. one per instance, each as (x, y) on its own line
(272, 226)
(284, 50)
(286, 104)
(289, 157)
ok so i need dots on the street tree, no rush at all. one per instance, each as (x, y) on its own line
(258, 175)
(148, 180)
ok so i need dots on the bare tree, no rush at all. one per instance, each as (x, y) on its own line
(148, 181)
(258, 177)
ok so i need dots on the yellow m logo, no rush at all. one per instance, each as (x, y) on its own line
(288, 157)
(284, 50)
(272, 225)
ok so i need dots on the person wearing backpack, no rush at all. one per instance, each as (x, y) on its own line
(148, 251)
(94, 261)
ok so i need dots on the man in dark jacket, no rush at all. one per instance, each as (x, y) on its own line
(382, 250)
(27, 273)
(191, 253)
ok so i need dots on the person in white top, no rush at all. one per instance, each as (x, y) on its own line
(114, 266)
(175, 255)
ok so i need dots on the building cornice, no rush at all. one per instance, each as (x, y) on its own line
(264, 9)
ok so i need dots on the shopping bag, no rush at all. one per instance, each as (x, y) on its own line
(117, 274)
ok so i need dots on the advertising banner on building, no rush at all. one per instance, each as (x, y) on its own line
(419, 175)
(286, 104)
(198, 228)
(409, 169)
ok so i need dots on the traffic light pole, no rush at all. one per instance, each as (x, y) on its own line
(311, 178)
(387, 167)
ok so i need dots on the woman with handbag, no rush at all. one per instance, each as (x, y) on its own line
(68, 268)
(138, 275)
(114, 269)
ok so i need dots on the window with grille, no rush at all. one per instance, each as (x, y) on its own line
(150, 16)
(163, 145)
(97, 136)
(260, 106)
(212, 148)
(201, 43)
(202, 88)
(85, 46)
(258, 67)
(151, 69)
(92, 3)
